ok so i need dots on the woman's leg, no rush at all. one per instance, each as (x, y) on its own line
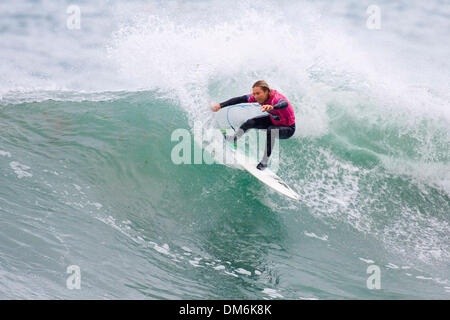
(280, 132)
(260, 122)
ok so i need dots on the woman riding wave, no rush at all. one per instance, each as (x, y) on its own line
(280, 118)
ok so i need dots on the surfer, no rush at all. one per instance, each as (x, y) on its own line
(280, 118)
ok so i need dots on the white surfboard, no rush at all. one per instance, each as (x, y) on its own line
(266, 176)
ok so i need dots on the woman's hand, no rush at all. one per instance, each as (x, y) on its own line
(266, 107)
(216, 107)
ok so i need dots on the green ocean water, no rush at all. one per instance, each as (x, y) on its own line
(90, 182)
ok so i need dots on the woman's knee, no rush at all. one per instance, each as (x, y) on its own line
(250, 123)
(280, 132)
(288, 133)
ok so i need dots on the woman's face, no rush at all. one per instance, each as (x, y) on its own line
(260, 95)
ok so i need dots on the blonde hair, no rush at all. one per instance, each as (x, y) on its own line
(263, 85)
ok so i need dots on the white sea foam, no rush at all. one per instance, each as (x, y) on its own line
(272, 293)
(243, 271)
(5, 154)
(20, 169)
(368, 261)
(313, 235)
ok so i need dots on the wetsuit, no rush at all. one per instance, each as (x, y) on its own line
(281, 118)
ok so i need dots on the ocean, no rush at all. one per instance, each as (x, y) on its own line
(92, 205)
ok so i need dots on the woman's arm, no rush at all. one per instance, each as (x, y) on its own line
(281, 104)
(232, 101)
